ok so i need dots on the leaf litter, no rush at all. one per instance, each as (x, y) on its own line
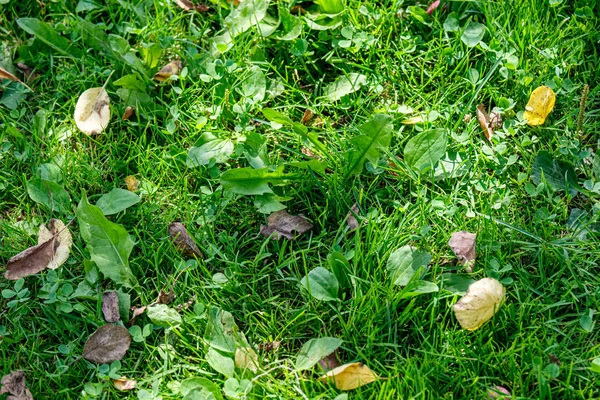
(124, 384)
(183, 241)
(107, 344)
(350, 376)
(14, 384)
(483, 299)
(92, 111)
(110, 307)
(463, 245)
(282, 224)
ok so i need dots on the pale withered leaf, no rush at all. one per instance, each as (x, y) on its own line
(110, 307)
(282, 224)
(109, 343)
(92, 111)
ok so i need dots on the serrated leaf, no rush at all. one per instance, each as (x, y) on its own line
(117, 200)
(109, 244)
(425, 149)
(376, 136)
(314, 350)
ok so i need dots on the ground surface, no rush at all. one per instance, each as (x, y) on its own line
(541, 343)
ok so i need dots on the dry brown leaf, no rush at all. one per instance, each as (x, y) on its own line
(281, 223)
(485, 122)
(351, 217)
(110, 307)
(124, 384)
(14, 385)
(64, 238)
(463, 245)
(92, 111)
(129, 112)
(246, 359)
(495, 120)
(183, 240)
(350, 376)
(165, 297)
(109, 343)
(4, 74)
(29, 73)
(308, 115)
(270, 346)
(171, 68)
(330, 361)
(137, 311)
(32, 260)
(132, 183)
(188, 6)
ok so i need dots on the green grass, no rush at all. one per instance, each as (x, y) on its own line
(409, 59)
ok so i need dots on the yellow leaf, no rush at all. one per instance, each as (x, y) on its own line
(132, 183)
(124, 384)
(413, 120)
(92, 111)
(350, 376)
(246, 359)
(541, 102)
(171, 68)
(481, 302)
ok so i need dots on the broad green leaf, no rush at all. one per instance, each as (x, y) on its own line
(124, 304)
(595, 365)
(343, 85)
(277, 117)
(340, 267)
(314, 350)
(451, 24)
(163, 315)
(211, 148)
(323, 22)
(204, 385)
(268, 203)
(559, 174)
(235, 389)
(50, 195)
(376, 136)
(13, 95)
(268, 25)
(473, 34)
(456, 283)
(425, 149)
(330, 7)
(116, 201)
(109, 244)
(47, 34)
(405, 262)
(222, 333)
(248, 14)
(249, 181)
(292, 25)
(254, 86)
(418, 287)
(220, 363)
(321, 284)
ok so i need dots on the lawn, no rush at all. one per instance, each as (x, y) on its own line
(239, 111)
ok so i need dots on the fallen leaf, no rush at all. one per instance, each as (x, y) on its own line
(34, 259)
(92, 111)
(463, 245)
(482, 301)
(498, 392)
(165, 297)
(137, 311)
(183, 240)
(432, 7)
(188, 6)
(495, 120)
(485, 122)
(281, 223)
(541, 102)
(350, 376)
(124, 384)
(65, 241)
(14, 385)
(109, 343)
(171, 68)
(110, 307)
(246, 359)
(413, 120)
(132, 183)
(308, 115)
(129, 111)
(270, 346)
(163, 315)
(330, 361)
(351, 217)
(27, 71)
(4, 74)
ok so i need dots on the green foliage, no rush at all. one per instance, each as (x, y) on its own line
(117, 200)
(314, 350)
(425, 150)
(376, 137)
(50, 194)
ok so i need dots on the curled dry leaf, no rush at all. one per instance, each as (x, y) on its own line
(124, 384)
(129, 112)
(137, 311)
(485, 122)
(109, 343)
(188, 6)
(52, 251)
(183, 240)
(350, 376)
(463, 245)
(14, 385)
(171, 68)
(92, 111)
(541, 102)
(165, 297)
(65, 241)
(281, 223)
(351, 217)
(498, 392)
(132, 183)
(481, 302)
(27, 71)
(246, 359)
(330, 361)
(4, 74)
(110, 307)
(308, 115)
